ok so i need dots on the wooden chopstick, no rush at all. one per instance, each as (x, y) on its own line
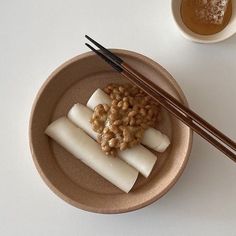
(196, 118)
(188, 121)
(183, 113)
(167, 96)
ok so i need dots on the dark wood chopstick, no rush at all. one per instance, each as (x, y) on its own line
(111, 55)
(183, 113)
(106, 59)
(167, 96)
(196, 118)
(188, 121)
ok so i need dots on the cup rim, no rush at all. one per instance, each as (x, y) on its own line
(226, 33)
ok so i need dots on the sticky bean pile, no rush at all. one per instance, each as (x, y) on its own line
(121, 124)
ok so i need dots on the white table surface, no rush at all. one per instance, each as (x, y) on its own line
(35, 38)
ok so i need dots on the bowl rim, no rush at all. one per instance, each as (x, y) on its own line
(57, 191)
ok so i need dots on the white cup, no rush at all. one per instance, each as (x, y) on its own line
(227, 32)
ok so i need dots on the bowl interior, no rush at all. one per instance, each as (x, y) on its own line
(227, 32)
(69, 178)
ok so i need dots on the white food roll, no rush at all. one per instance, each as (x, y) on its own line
(80, 115)
(155, 140)
(98, 97)
(139, 157)
(164, 144)
(78, 143)
(152, 138)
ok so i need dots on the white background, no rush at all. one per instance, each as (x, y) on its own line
(35, 38)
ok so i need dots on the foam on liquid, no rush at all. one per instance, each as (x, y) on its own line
(206, 16)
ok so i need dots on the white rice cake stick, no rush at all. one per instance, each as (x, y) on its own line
(78, 143)
(152, 138)
(138, 156)
(155, 140)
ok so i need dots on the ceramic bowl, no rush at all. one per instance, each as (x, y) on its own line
(69, 178)
(226, 33)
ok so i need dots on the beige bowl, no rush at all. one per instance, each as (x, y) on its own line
(69, 178)
(227, 32)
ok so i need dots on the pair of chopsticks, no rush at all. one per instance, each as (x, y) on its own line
(183, 113)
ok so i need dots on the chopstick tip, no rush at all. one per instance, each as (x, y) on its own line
(88, 45)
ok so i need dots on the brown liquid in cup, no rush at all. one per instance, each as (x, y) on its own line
(203, 25)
